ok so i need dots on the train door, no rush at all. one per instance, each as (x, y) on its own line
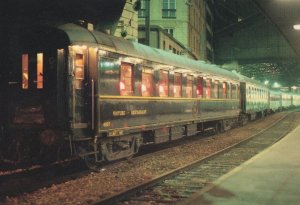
(243, 97)
(79, 92)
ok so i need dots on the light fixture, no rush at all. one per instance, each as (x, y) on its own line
(296, 26)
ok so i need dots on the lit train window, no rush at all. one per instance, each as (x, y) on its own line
(25, 74)
(177, 84)
(204, 88)
(234, 91)
(40, 70)
(215, 89)
(224, 90)
(79, 71)
(220, 90)
(249, 92)
(126, 79)
(200, 87)
(163, 85)
(189, 86)
(208, 88)
(228, 95)
(147, 82)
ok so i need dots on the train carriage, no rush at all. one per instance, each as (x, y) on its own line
(107, 96)
(254, 98)
(275, 100)
(145, 95)
(78, 91)
(287, 100)
(296, 100)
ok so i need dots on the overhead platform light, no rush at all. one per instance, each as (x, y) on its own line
(297, 26)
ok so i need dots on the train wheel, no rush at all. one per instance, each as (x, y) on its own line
(121, 149)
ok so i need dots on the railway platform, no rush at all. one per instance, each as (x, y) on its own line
(272, 177)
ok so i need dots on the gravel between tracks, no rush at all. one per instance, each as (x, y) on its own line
(118, 177)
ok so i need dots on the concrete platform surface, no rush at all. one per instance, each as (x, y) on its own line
(270, 178)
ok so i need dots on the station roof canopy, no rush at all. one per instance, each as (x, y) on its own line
(284, 14)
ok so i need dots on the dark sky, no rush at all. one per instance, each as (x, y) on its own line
(102, 13)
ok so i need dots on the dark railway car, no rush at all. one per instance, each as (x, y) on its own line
(70, 91)
(104, 97)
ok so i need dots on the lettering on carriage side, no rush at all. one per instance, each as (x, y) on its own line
(115, 133)
(138, 112)
(119, 113)
(106, 124)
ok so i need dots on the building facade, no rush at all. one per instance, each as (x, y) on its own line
(160, 38)
(128, 23)
(185, 20)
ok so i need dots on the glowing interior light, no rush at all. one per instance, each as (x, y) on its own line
(175, 90)
(161, 89)
(297, 26)
(122, 85)
(144, 88)
(198, 92)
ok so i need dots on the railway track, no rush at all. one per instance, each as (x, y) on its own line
(26, 180)
(31, 179)
(181, 183)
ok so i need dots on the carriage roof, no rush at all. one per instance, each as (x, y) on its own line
(79, 35)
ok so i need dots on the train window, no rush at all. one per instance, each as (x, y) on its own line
(215, 89)
(126, 79)
(200, 87)
(224, 89)
(233, 89)
(40, 70)
(79, 71)
(208, 88)
(177, 84)
(249, 93)
(163, 87)
(228, 95)
(189, 86)
(220, 89)
(203, 84)
(25, 74)
(147, 82)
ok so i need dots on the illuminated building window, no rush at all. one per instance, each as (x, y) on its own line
(163, 85)
(126, 80)
(189, 86)
(147, 82)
